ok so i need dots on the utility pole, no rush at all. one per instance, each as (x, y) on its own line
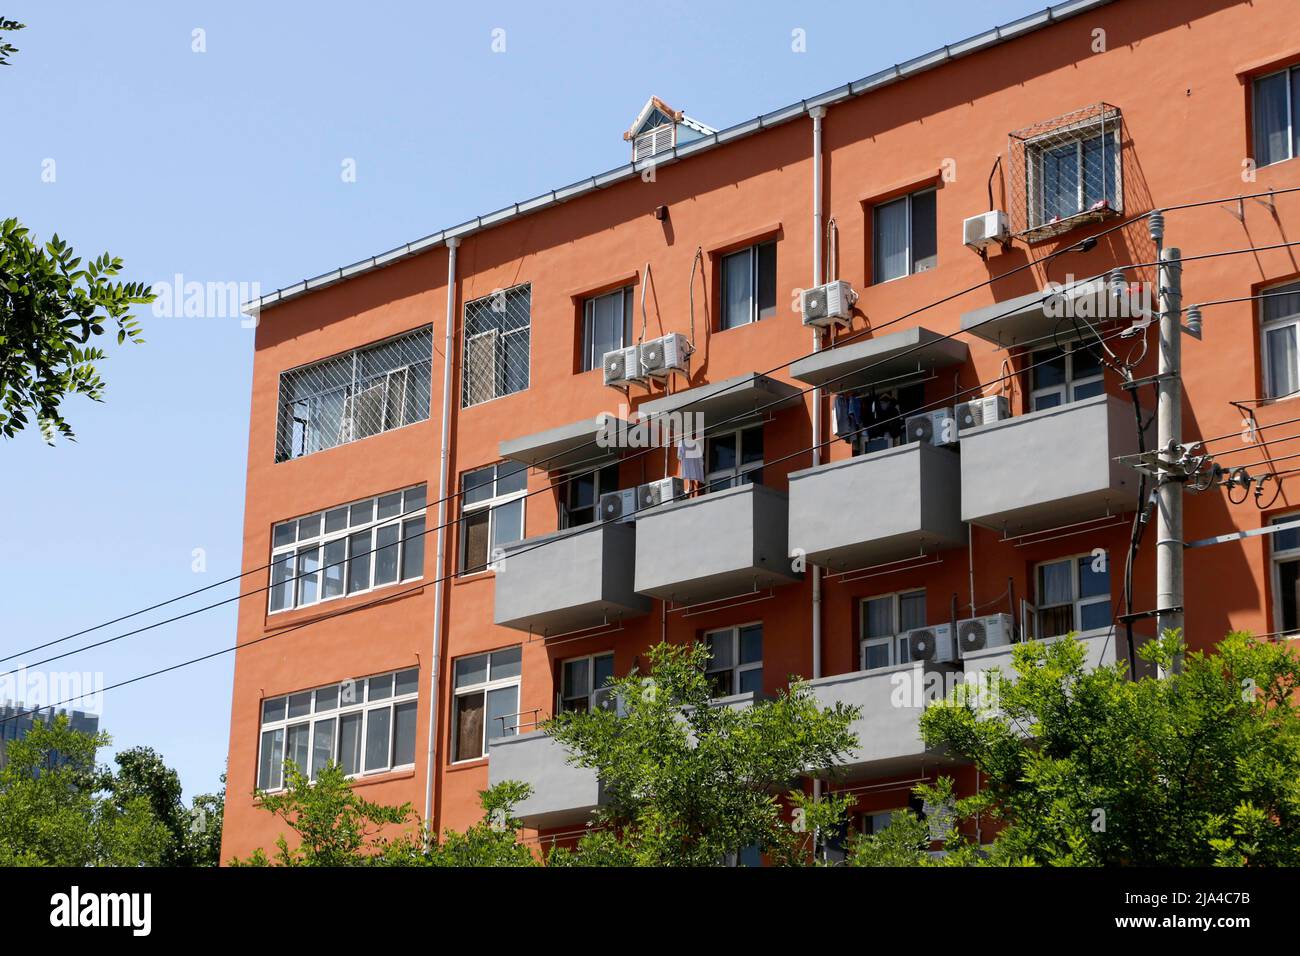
(1169, 424)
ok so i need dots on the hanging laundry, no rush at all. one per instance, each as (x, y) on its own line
(690, 455)
(845, 416)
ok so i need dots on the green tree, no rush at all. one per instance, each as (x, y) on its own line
(1088, 768)
(59, 808)
(335, 827)
(52, 310)
(688, 782)
(492, 842)
(203, 835)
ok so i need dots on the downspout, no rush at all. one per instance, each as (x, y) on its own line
(818, 113)
(440, 585)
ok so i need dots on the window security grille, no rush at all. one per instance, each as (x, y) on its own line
(497, 333)
(355, 395)
(1064, 172)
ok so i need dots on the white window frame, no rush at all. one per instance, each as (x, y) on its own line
(289, 554)
(1035, 151)
(756, 312)
(736, 668)
(491, 505)
(1076, 602)
(1278, 557)
(561, 699)
(1272, 325)
(1067, 388)
(363, 706)
(733, 474)
(1293, 134)
(482, 688)
(912, 269)
(899, 650)
(590, 360)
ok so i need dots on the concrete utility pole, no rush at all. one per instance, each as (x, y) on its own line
(1169, 423)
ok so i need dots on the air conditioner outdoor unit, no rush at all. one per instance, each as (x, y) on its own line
(935, 427)
(977, 633)
(982, 411)
(606, 698)
(830, 304)
(986, 229)
(623, 366)
(931, 644)
(618, 505)
(665, 355)
(659, 492)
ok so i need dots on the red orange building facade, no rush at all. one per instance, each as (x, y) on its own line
(441, 575)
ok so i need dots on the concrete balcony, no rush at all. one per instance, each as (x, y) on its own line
(1102, 647)
(580, 579)
(1050, 468)
(888, 728)
(563, 795)
(719, 545)
(891, 504)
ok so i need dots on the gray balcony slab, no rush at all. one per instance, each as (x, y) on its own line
(885, 506)
(863, 363)
(1050, 468)
(1031, 318)
(563, 795)
(751, 393)
(569, 580)
(715, 546)
(566, 445)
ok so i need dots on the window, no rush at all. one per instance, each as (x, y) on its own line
(1073, 595)
(365, 725)
(1058, 376)
(749, 285)
(1286, 576)
(355, 395)
(606, 325)
(486, 702)
(582, 493)
(1280, 326)
(736, 660)
(1277, 116)
(734, 458)
(1072, 172)
(492, 513)
(885, 621)
(497, 332)
(905, 238)
(351, 548)
(581, 677)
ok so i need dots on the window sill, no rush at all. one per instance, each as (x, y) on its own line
(462, 579)
(458, 765)
(1062, 227)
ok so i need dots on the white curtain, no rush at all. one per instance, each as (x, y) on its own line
(891, 240)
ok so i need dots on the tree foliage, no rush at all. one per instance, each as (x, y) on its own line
(1088, 768)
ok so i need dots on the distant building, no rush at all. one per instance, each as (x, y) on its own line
(16, 721)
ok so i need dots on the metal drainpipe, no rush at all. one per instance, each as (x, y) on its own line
(440, 586)
(818, 113)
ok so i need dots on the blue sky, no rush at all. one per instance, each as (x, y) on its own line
(225, 166)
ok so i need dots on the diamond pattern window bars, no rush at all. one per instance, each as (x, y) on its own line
(1065, 171)
(355, 395)
(497, 336)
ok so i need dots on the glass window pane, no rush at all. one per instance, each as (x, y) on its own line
(1283, 302)
(875, 655)
(1053, 622)
(1087, 390)
(1054, 584)
(390, 506)
(386, 536)
(476, 485)
(512, 476)
(350, 742)
(890, 243)
(721, 650)
(404, 734)
(924, 231)
(751, 681)
(336, 520)
(1092, 582)
(284, 534)
(1282, 366)
(751, 446)
(322, 746)
(507, 523)
(474, 542)
(309, 527)
(1048, 400)
(359, 563)
(327, 698)
(296, 747)
(336, 553)
(878, 617)
(352, 691)
(308, 579)
(471, 670)
(722, 453)
(751, 644)
(1272, 125)
(574, 679)
(767, 280)
(737, 289)
(380, 688)
(469, 726)
(282, 582)
(1084, 362)
(407, 682)
(1288, 582)
(1283, 540)
(272, 710)
(505, 663)
(602, 670)
(1060, 182)
(911, 610)
(1048, 368)
(1094, 616)
(414, 499)
(270, 768)
(299, 704)
(363, 512)
(502, 713)
(413, 548)
(378, 725)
